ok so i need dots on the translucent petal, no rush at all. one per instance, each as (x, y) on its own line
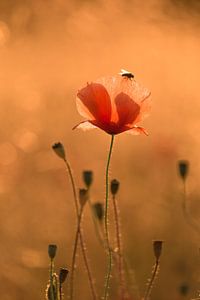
(94, 102)
(85, 125)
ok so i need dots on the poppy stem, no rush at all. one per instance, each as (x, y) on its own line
(79, 234)
(109, 265)
(122, 283)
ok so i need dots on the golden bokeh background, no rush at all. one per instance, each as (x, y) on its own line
(49, 49)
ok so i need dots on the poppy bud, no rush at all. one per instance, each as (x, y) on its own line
(114, 186)
(157, 247)
(59, 150)
(63, 275)
(184, 289)
(88, 178)
(52, 251)
(83, 196)
(98, 210)
(183, 166)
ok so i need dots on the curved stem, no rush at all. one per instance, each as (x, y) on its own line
(109, 265)
(79, 234)
(151, 282)
(73, 187)
(74, 255)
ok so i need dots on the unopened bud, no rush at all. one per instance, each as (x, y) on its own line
(98, 210)
(183, 167)
(83, 197)
(88, 178)
(59, 150)
(157, 247)
(63, 275)
(52, 251)
(184, 289)
(114, 186)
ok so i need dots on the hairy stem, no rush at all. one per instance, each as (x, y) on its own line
(151, 282)
(123, 291)
(79, 234)
(51, 278)
(109, 264)
(74, 255)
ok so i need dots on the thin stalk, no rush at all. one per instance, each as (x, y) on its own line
(80, 235)
(96, 226)
(85, 260)
(74, 254)
(151, 282)
(51, 279)
(123, 292)
(109, 264)
(60, 291)
(73, 187)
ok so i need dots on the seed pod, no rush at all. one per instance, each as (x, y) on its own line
(183, 167)
(83, 197)
(63, 275)
(59, 150)
(114, 186)
(52, 251)
(88, 178)
(98, 210)
(157, 247)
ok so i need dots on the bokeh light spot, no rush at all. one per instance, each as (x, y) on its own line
(33, 259)
(26, 140)
(4, 33)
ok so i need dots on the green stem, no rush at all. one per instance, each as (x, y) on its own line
(109, 265)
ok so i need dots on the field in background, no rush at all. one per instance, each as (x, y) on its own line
(49, 50)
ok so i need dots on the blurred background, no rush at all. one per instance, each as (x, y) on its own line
(48, 50)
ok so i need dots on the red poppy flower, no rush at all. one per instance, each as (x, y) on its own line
(114, 104)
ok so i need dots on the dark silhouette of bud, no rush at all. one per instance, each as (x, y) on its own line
(83, 197)
(184, 289)
(59, 150)
(88, 178)
(98, 210)
(183, 167)
(114, 186)
(157, 247)
(52, 251)
(63, 275)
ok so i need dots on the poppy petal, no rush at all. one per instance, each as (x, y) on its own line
(127, 109)
(85, 125)
(137, 130)
(94, 102)
(116, 85)
(145, 109)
